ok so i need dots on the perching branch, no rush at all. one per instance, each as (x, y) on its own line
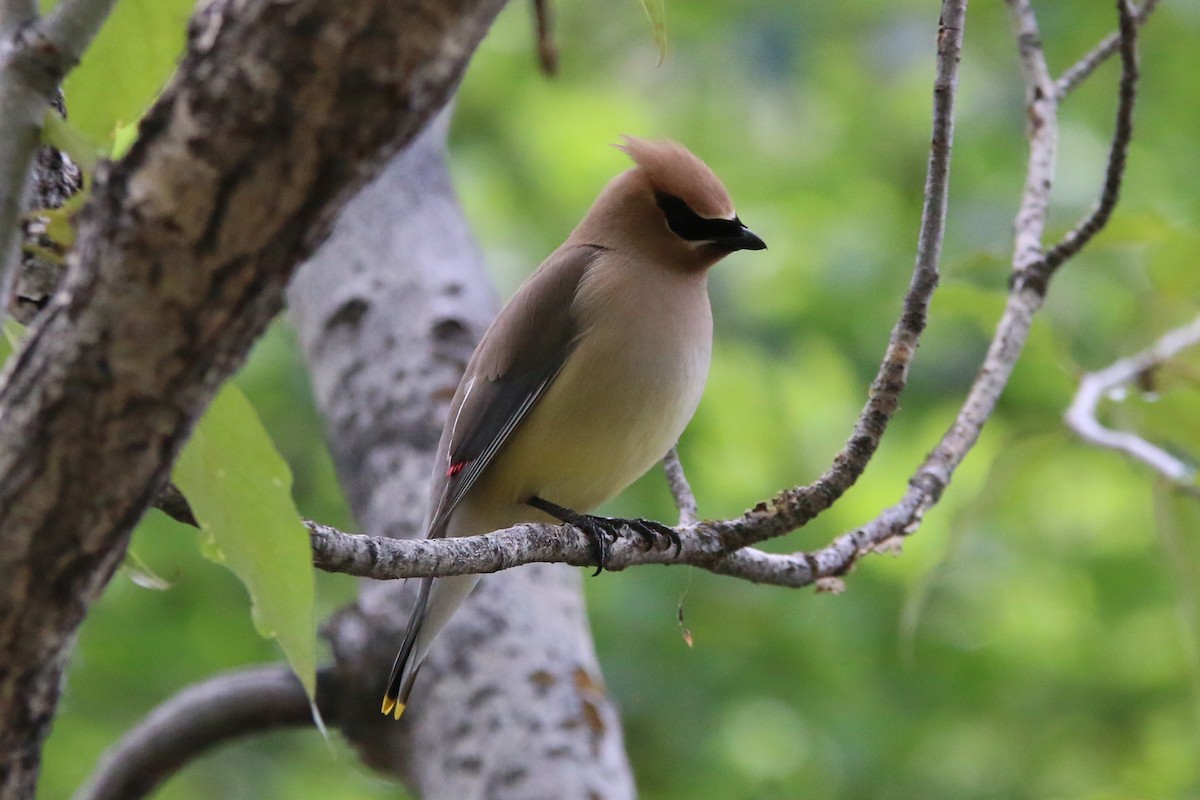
(1081, 416)
(709, 544)
(222, 708)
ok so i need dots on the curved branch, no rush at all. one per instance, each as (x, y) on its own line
(793, 508)
(708, 544)
(200, 717)
(1026, 297)
(1087, 228)
(719, 546)
(1081, 416)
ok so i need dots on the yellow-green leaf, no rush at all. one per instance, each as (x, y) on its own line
(239, 489)
(127, 64)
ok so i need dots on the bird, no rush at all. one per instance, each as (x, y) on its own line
(585, 379)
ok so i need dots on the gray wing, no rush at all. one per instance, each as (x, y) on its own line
(518, 357)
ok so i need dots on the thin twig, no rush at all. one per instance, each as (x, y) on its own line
(793, 508)
(934, 474)
(198, 718)
(1025, 298)
(681, 490)
(1099, 54)
(1083, 233)
(1081, 416)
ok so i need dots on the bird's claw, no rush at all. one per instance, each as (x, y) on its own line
(606, 530)
(603, 531)
(652, 532)
(601, 535)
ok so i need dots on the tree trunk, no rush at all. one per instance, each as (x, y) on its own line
(510, 703)
(182, 257)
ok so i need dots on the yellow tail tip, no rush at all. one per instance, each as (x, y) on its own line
(390, 706)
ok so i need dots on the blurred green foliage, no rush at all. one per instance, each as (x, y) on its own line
(1039, 636)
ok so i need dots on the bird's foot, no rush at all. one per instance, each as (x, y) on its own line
(603, 531)
(655, 535)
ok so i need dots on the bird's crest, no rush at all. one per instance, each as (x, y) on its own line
(672, 169)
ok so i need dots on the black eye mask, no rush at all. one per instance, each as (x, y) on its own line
(691, 227)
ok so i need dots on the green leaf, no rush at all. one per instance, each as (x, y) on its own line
(656, 12)
(239, 489)
(127, 65)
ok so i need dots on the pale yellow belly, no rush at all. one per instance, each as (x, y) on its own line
(622, 400)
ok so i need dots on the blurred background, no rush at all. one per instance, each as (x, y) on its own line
(1037, 638)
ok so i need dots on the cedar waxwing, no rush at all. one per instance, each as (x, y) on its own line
(586, 378)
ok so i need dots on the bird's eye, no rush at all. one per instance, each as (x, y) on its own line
(690, 226)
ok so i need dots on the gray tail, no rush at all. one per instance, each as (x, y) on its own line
(404, 672)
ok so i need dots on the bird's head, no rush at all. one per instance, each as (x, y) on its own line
(670, 207)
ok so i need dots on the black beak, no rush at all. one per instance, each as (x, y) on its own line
(744, 239)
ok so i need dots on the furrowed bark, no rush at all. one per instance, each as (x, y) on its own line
(276, 114)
